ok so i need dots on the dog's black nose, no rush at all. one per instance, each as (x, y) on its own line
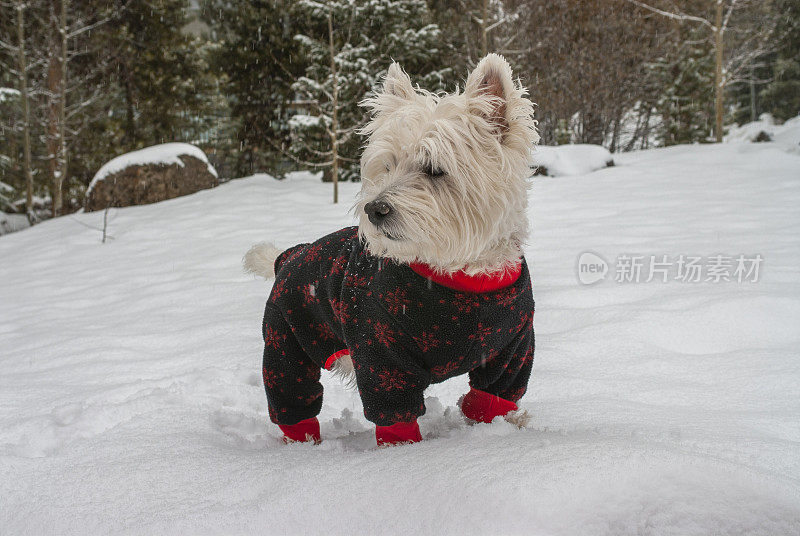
(377, 211)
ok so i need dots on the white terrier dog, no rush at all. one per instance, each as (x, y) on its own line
(443, 200)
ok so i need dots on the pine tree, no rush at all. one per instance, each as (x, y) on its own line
(687, 96)
(348, 45)
(159, 72)
(781, 96)
(254, 49)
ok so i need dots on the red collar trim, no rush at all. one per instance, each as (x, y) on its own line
(470, 283)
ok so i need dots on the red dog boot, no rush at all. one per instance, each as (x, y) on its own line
(398, 434)
(304, 431)
(481, 406)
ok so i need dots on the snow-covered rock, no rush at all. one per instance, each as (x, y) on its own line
(131, 399)
(565, 160)
(10, 223)
(757, 131)
(150, 175)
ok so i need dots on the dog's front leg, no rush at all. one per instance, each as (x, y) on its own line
(392, 391)
(497, 385)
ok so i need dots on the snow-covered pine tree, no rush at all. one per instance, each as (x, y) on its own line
(349, 45)
(255, 52)
(781, 96)
(687, 96)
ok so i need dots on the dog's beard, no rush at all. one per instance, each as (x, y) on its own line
(384, 239)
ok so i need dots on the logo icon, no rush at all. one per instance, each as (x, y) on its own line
(591, 268)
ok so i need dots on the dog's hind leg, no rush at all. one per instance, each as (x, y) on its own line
(291, 381)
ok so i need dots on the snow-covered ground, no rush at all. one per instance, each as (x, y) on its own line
(131, 398)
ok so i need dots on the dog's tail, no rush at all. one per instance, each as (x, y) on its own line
(260, 260)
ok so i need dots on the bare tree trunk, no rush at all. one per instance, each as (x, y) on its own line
(719, 93)
(26, 131)
(62, 104)
(646, 135)
(753, 115)
(484, 28)
(53, 83)
(56, 90)
(130, 119)
(334, 118)
(615, 132)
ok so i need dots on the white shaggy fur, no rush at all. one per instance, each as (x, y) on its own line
(344, 370)
(473, 216)
(260, 260)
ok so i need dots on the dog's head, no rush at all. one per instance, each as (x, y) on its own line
(444, 177)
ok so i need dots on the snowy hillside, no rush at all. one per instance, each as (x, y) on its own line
(131, 397)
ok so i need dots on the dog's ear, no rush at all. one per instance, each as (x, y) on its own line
(488, 88)
(398, 83)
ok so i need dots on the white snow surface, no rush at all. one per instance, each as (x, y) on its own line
(574, 159)
(165, 153)
(131, 398)
(787, 133)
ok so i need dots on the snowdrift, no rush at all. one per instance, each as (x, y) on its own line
(131, 398)
(788, 133)
(565, 160)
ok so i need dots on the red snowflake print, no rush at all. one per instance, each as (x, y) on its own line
(278, 289)
(270, 377)
(464, 303)
(525, 321)
(392, 379)
(506, 297)
(528, 355)
(443, 371)
(312, 253)
(383, 334)
(481, 333)
(354, 280)
(310, 399)
(274, 338)
(324, 331)
(340, 310)
(339, 265)
(427, 341)
(515, 394)
(313, 372)
(405, 416)
(396, 301)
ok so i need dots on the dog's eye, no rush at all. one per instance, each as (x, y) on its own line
(387, 166)
(433, 172)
